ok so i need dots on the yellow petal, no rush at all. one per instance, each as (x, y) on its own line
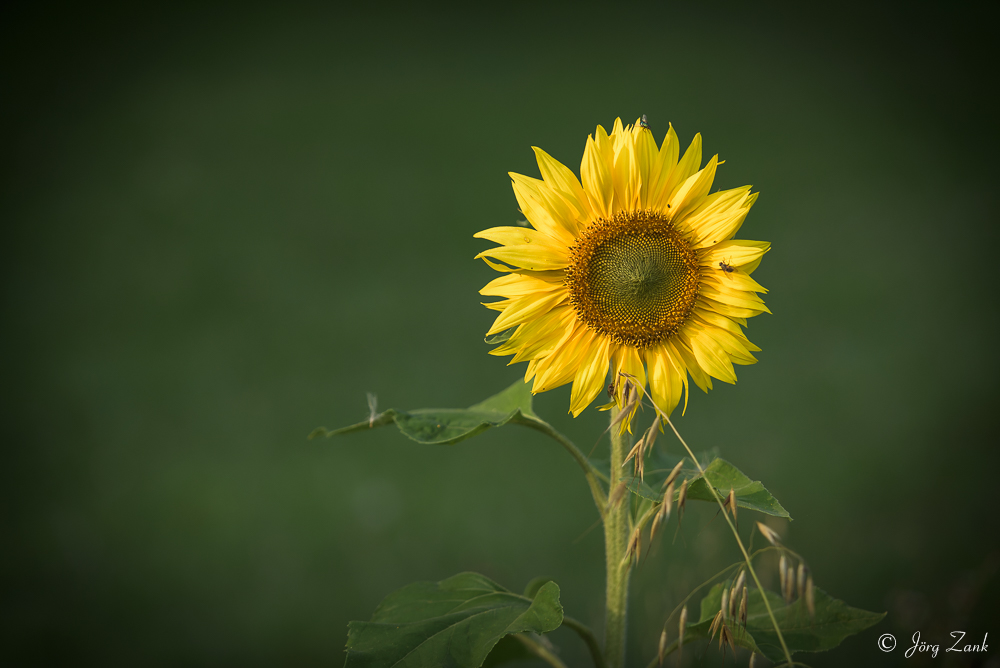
(525, 309)
(733, 345)
(540, 337)
(626, 177)
(737, 313)
(626, 363)
(662, 166)
(646, 155)
(736, 253)
(736, 279)
(562, 179)
(665, 383)
(515, 236)
(717, 206)
(684, 169)
(529, 256)
(724, 323)
(680, 350)
(534, 199)
(590, 377)
(732, 297)
(712, 358)
(561, 366)
(597, 181)
(693, 191)
(519, 285)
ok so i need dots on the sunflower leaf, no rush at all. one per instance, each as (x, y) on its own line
(447, 426)
(750, 494)
(834, 620)
(455, 622)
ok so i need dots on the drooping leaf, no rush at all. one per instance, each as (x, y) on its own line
(834, 621)
(446, 426)
(455, 622)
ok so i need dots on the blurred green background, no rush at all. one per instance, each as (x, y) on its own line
(224, 226)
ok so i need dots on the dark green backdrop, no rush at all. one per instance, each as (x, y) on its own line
(223, 227)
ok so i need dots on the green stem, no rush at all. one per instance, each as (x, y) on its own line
(616, 535)
(540, 651)
(589, 638)
(589, 472)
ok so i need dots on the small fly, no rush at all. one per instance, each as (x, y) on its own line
(644, 123)
(728, 268)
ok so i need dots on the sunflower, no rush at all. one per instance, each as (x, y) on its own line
(634, 270)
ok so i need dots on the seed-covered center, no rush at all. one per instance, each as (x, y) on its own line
(633, 278)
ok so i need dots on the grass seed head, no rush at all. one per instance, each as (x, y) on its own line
(716, 621)
(800, 579)
(743, 608)
(673, 474)
(657, 520)
(810, 596)
(681, 626)
(741, 580)
(769, 534)
(668, 502)
(732, 502)
(663, 646)
(724, 608)
(790, 579)
(782, 566)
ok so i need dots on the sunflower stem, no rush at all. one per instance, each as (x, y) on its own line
(616, 533)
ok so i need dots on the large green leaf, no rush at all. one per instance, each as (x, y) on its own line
(455, 623)
(721, 474)
(445, 426)
(834, 621)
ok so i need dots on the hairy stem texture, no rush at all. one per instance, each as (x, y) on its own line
(616, 533)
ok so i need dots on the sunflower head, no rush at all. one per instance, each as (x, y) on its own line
(633, 268)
